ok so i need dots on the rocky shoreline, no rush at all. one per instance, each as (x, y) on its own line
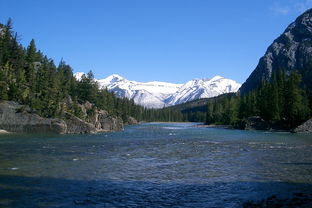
(17, 118)
(213, 126)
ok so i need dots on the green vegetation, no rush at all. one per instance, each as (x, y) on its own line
(282, 101)
(31, 78)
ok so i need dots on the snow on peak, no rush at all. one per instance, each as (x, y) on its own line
(157, 94)
(79, 75)
(115, 77)
(216, 78)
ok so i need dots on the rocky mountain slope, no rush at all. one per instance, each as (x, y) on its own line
(290, 51)
(160, 94)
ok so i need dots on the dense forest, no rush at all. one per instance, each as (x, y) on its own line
(29, 77)
(284, 101)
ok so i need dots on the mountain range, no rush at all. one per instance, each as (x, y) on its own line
(157, 94)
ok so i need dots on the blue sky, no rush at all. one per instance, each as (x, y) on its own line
(146, 40)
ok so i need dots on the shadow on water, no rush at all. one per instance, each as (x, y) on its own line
(20, 191)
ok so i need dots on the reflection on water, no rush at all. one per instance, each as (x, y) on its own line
(154, 165)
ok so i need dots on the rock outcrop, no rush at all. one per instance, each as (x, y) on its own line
(131, 121)
(306, 127)
(291, 51)
(101, 119)
(107, 122)
(13, 119)
(75, 125)
(20, 119)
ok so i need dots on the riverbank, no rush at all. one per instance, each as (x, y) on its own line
(217, 126)
(220, 126)
(213, 126)
(257, 123)
(18, 118)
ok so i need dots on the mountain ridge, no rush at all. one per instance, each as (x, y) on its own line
(157, 94)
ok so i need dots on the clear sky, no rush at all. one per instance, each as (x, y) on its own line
(146, 40)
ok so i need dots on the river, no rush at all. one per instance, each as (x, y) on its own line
(153, 165)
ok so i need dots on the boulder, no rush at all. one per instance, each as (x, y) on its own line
(75, 125)
(106, 122)
(131, 121)
(306, 127)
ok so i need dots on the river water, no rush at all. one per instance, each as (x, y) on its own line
(153, 165)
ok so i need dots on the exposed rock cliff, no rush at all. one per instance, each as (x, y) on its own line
(18, 118)
(291, 51)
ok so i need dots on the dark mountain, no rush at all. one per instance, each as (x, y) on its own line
(289, 52)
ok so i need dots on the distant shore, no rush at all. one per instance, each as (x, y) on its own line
(213, 126)
(232, 127)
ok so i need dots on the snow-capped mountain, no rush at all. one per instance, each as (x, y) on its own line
(202, 88)
(148, 94)
(159, 94)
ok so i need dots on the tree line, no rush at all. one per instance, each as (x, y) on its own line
(282, 100)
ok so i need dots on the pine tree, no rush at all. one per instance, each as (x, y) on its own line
(6, 43)
(293, 101)
(242, 111)
(4, 88)
(274, 110)
(209, 114)
(30, 60)
(281, 82)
